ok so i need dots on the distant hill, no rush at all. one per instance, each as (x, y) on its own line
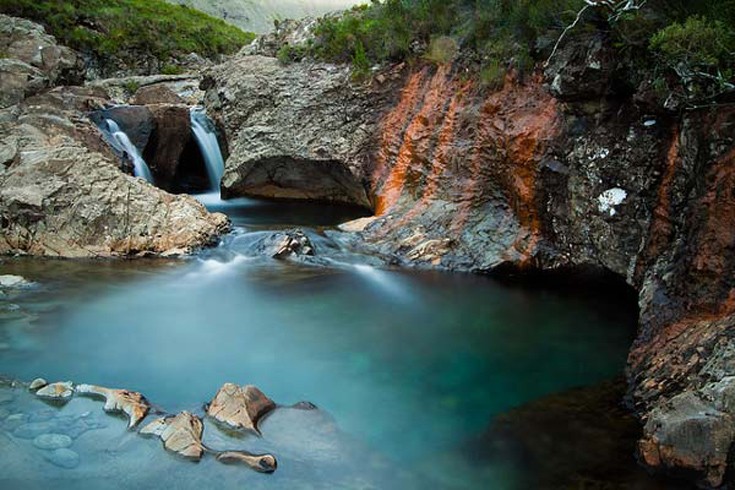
(258, 15)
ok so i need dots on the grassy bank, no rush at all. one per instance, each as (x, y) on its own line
(129, 29)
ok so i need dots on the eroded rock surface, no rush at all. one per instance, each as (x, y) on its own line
(240, 407)
(129, 402)
(181, 434)
(285, 244)
(61, 390)
(264, 463)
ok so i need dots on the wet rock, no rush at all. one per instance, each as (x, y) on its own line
(285, 244)
(264, 463)
(52, 441)
(689, 434)
(59, 391)
(135, 121)
(240, 407)
(129, 402)
(37, 384)
(63, 458)
(181, 434)
(172, 132)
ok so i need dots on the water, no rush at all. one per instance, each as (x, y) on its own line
(407, 368)
(122, 143)
(206, 139)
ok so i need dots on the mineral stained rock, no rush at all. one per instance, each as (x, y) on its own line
(130, 402)
(59, 390)
(264, 463)
(240, 407)
(181, 434)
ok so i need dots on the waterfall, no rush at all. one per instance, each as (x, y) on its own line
(122, 143)
(206, 138)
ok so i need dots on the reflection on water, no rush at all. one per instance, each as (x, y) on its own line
(406, 367)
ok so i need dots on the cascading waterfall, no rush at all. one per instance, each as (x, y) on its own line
(122, 143)
(206, 138)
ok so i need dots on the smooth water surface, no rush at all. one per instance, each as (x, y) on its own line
(405, 367)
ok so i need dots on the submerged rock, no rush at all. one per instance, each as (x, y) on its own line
(63, 458)
(59, 390)
(240, 407)
(264, 463)
(129, 402)
(52, 441)
(13, 282)
(181, 434)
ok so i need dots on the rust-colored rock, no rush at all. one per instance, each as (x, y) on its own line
(129, 402)
(264, 463)
(240, 407)
(181, 434)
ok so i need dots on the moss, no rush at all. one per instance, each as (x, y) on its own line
(131, 29)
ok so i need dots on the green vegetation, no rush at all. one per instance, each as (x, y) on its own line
(131, 29)
(495, 36)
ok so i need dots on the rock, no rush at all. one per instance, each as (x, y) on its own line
(688, 434)
(37, 383)
(181, 434)
(52, 441)
(240, 407)
(130, 402)
(59, 391)
(155, 94)
(63, 458)
(358, 225)
(19, 80)
(264, 463)
(27, 42)
(285, 244)
(135, 121)
(172, 132)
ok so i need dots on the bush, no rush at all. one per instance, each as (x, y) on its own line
(697, 42)
(442, 50)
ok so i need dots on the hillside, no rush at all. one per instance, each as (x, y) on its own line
(258, 15)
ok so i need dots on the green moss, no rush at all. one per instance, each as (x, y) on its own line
(129, 29)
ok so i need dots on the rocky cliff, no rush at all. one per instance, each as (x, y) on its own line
(558, 170)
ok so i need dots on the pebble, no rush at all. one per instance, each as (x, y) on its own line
(52, 441)
(63, 458)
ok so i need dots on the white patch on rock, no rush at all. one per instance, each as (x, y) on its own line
(609, 199)
(600, 154)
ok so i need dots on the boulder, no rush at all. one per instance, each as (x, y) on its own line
(37, 384)
(13, 282)
(181, 434)
(688, 434)
(240, 407)
(63, 458)
(172, 132)
(133, 404)
(52, 441)
(19, 80)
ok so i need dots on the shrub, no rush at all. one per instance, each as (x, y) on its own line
(442, 50)
(697, 42)
(171, 69)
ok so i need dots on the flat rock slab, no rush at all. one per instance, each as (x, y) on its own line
(129, 402)
(63, 458)
(181, 434)
(52, 441)
(240, 407)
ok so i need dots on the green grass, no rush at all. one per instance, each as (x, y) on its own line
(129, 29)
(499, 35)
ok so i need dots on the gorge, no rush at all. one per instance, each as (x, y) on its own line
(333, 267)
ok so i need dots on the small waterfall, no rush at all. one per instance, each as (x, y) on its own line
(206, 138)
(122, 143)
